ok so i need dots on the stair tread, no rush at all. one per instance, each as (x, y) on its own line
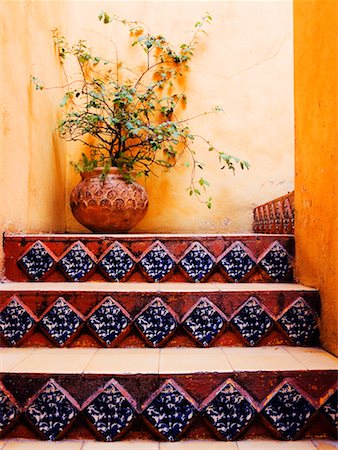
(151, 287)
(257, 444)
(164, 361)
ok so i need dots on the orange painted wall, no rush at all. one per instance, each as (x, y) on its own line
(316, 185)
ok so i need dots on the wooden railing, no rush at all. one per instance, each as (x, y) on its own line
(276, 216)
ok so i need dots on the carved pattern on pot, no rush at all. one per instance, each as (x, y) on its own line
(111, 205)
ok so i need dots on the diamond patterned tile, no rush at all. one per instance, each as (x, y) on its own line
(37, 261)
(156, 263)
(330, 409)
(109, 321)
(237, 261)
(15, 321)
(61, 322)
(156, 322)
(8, 409)
(109, 412)
(197, 263)
(299, 322)
(252, 321)
(117, 263)
(170, 412)
(276, 262)
(288, 411)
(77, 263)
(229, 412)
(51, 412)
(204, 322)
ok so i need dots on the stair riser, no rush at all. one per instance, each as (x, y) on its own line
(149, 258)
(104, 319)
(260, 404)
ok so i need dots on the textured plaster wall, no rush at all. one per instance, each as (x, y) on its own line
(32, 160)
(316, 120)
(246, 66)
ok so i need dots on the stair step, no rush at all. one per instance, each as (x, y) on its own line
(126, 314)
(152, 258)
(258, 444)
(220, 393)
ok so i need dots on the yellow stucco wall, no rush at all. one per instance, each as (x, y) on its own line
(316, 183)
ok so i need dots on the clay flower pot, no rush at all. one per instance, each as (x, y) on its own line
(109, 206)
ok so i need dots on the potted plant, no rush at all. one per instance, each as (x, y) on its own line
(131, 116)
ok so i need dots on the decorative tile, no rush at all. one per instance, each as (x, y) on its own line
(288, 411)
(197, 263)
(170, 412)
(61, 322)
(204, 322)
(15, 321)
(276, 262)
(229, 412)
(51, 411)
(299, 322)
(76, 263)
(8, 409)
(109, 321)
(37, 262)
(156, 322)
(252, 321)
(117, 263)
(237, 261)
(157, 264)
(330, 409)
(110, 413)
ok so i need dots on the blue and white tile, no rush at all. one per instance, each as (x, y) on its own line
(37, 261)
(156, 323)
(276, 262)
(76, 263)
(252, 321)
(170, 413)
(157, 264)
(197, 263)
(288, 411)
(15, 321)
(300, 323)
(60, 322)
(110, 413)
(51, 412)
(229, 413)
(236, 262)
(8, 411)
(108, 321)
(204, 322)
(117, 264)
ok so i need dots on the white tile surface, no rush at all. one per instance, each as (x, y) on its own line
(186, 360)
(28, 444)
(126, 445)
(275, 445)
(11, 357)
(314, 358)
(198, 445)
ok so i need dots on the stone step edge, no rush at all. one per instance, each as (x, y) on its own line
(92, 236)
(93, 286)
(165, 361)
(249, 444)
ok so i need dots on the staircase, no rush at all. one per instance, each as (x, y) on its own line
(192, 338)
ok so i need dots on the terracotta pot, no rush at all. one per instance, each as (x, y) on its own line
(109, 206)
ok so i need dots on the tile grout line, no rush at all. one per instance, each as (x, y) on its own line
(12, 368)
(90, 360)
(228, 360)
(293, 356)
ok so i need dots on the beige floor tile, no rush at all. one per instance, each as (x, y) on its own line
(261, 358)
(56, 360)
(275, 445)
(10, 357)
(28, 444)
(325, 445)
(198, 445)
(185, 360)
(124, 360)
(128, 445)
(314, 358)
